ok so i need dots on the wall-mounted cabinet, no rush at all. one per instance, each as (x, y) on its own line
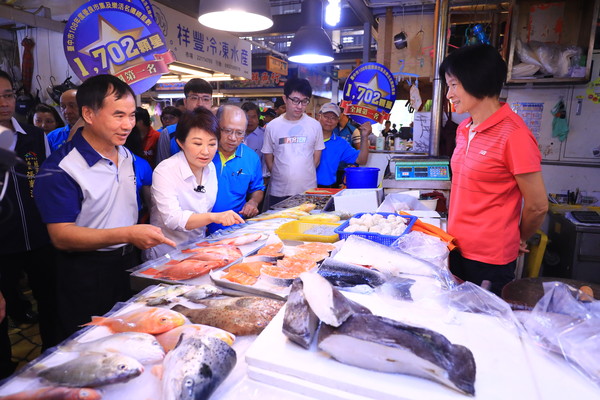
(547, 28)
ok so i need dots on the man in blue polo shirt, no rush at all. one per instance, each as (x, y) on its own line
(197, 92)
(239, 171)
(86, 194)
(338, 149)
(70, 112)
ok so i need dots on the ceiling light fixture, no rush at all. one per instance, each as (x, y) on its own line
(189, 70)
(311, 44)
(236, 15)
(333, 13)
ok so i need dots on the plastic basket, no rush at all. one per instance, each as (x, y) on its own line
(294, 230)
(376, 237)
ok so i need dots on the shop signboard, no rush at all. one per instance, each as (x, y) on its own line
(259, 79)
(277, 65)
(203, 47)
(118, 38)
(369, 93)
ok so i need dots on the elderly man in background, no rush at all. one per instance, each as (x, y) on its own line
(239, 171)
(70, 112)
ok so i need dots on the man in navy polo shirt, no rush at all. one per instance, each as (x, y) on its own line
(197, 92)
(338, 149)
(239, 171)
(86, 195)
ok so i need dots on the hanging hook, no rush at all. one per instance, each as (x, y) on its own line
(38, 78)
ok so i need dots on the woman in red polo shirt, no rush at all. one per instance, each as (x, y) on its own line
(498, 199)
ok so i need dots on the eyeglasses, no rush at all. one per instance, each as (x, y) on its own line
(229, 132)
(8, 96)
(295, 101)
(331, 117)
(204, 99)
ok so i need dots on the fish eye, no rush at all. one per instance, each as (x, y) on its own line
(189, 382)
(163, 320)
(122, 367)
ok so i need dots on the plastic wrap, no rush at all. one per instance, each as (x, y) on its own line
(567, 321)
(423, 246)
(552, 59)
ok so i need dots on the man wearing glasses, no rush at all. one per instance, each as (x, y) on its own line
(238, 167)
(24, 241)
(198, 92)
(293, 144)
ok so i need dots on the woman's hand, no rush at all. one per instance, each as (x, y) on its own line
(523, 247)
(227, 218)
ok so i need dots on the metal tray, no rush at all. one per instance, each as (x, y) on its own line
(323, 201)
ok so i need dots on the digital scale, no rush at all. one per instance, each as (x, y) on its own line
(424, 169)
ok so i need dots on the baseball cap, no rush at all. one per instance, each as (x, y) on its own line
(330, 107)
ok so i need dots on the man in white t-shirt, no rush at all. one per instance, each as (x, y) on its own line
(292, 145)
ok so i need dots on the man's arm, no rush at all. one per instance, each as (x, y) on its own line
(317, 157)
(250, 209)
(535, 205)
(163, 146)
(363, 155)
(269, 158)
(70, 237)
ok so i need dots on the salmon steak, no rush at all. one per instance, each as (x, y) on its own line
(188, 269)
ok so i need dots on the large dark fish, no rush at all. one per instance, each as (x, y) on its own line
(330, 306)
(347, 275)
(240, 316)
(196, 367)
(381, 344)
(299, 321)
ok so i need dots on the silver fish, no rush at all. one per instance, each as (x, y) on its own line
(299, 321)
(201, 292)
(331, 306)
(382, 344)
(142, 346)
(164, 294)
(196, 367)
(344, 274)
(93, 370)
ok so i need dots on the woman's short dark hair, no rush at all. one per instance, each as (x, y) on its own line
(94, 90)
(141, 114)
(45, 108)
(297, 85)
(200, 118)
(479, 68)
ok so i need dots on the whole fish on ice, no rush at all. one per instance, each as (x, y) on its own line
(196, 367)
(169, 339)
(141, 346)
(358, 250)
(381, 344)
(92, 370)
(144, 319)
(343, 274)
(222, 252)
(238, 240)
(55, 393)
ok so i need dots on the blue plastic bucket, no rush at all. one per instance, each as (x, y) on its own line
(361, 177)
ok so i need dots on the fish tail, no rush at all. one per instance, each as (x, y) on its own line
(97, 321)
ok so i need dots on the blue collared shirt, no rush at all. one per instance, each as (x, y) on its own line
(238, 178)
(336, 150)
(58, 137)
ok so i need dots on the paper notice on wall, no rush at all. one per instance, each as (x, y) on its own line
(546, 22)
(532, 115)
(421, 132)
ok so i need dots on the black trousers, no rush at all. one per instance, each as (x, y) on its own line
(90, 283)
(477, 272)
(40, 266)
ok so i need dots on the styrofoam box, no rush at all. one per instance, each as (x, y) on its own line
(358, 200)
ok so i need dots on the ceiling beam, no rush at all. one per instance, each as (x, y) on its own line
(30, 19)
(363, 13)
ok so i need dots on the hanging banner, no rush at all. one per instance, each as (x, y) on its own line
(119, 38)
(200, 46)
(369, 93)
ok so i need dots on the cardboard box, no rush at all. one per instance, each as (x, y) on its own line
(356, 201)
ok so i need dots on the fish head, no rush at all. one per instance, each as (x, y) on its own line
(169, 320)
(123, 366)
(194, 384)
(88, 394)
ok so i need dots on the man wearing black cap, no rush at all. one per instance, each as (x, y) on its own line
(279, 106)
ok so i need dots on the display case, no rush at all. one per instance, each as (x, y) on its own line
(556, 24)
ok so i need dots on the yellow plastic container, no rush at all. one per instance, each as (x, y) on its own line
(295, 230)
(535, 256)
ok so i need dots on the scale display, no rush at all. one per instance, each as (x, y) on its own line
(426, 170)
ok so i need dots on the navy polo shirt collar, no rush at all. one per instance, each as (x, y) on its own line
(89, 154)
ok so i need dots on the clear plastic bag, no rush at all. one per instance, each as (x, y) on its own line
(423, 246)
(567, 321)
(552, 59)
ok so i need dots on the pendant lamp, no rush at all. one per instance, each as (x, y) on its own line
(236, 15)
(311, 44)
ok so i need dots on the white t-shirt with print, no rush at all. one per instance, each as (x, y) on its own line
(293, 144)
